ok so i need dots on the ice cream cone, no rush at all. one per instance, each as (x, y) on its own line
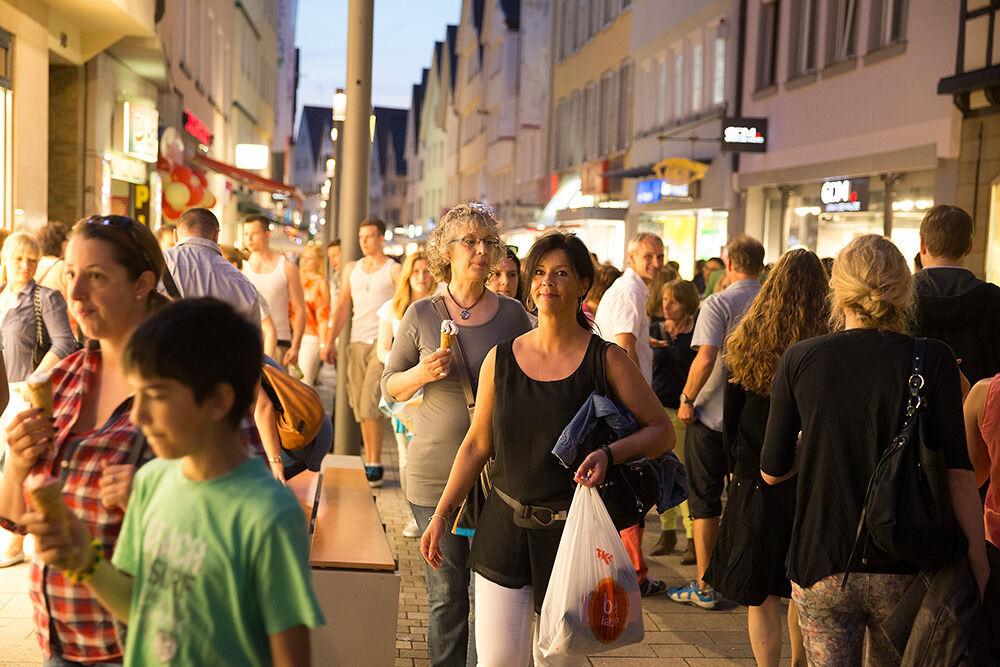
(39, 388)
(446, 340)
(47, 498)
(448, 332)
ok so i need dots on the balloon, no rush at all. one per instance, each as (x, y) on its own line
(208, 201)
(171, 148)
(177, 195)
(169, 213)
(181, 174)
(197, 193)
(202, 179)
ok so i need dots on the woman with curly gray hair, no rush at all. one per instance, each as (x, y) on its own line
(460, 252)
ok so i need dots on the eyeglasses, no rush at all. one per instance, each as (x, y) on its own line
(128, 225)
(471, 242)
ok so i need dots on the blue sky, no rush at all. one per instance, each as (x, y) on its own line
(403, 40)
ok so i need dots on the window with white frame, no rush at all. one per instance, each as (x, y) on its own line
(767, 44)
(592, 119)
(888, 23)
(719, 67)
(842, 31)
(678, 76)
(625, 95)
(802, 38)
(697, 72)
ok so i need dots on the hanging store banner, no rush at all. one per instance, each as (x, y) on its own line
(197, 128)
(680, 170)
(654, 190)
(138, 126)
(840, 195)
(744, 135)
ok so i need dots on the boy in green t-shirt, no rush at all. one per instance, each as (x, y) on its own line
(211, 566)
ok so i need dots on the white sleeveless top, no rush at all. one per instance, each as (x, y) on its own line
(273, 287)
(368, 292)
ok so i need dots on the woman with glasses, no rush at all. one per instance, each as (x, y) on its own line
(24, 307)
(113, 265)
(461, 251)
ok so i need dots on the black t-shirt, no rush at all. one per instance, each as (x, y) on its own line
(744, 422)
(670, 364)
(847, 394)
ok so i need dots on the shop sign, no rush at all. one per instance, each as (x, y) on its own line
(844, 195)
(744, 135)
(141, 125)
(197, 128)
(648, 192)
(124, 168)
(680, 170)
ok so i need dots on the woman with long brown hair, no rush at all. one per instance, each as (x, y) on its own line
(748, 562)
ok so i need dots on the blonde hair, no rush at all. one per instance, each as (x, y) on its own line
(481, 217)
(16, 243)
(403, 297)
(871, 279)
(654, 304)
(316, 251)
(791, 306)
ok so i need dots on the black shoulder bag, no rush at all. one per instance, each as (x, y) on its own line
(43, 342)
(472, 506)
(907, 513)
(630, 489)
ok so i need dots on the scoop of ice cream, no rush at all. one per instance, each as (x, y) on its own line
(449, 327)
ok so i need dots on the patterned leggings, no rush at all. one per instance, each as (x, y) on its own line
(834, 622)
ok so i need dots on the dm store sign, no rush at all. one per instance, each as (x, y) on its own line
(841, 195)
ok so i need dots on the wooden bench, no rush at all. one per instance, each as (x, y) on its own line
(354, 571)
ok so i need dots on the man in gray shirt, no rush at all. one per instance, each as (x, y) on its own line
(701, 407)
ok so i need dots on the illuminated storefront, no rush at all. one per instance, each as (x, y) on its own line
(824, 216)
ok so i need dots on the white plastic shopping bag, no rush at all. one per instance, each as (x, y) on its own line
(592, 603)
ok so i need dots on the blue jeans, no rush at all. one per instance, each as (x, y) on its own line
(450, 600)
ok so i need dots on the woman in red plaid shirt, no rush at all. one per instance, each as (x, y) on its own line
(113, 266)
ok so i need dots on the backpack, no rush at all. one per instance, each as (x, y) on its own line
(299, 409)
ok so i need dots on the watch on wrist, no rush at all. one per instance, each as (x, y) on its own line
(685, 399)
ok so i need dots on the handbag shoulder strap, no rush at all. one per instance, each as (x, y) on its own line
(456, 349)
(600, 368)
(40, 329)
(169, 284)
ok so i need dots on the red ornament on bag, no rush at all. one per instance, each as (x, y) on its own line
(609, 611)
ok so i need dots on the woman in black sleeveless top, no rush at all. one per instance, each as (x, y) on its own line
(529, 390)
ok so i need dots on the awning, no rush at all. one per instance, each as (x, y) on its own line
(247, 178)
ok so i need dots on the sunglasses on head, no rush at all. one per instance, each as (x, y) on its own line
(128, 225)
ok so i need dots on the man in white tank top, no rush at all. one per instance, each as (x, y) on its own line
(366, 285)
(278, 282)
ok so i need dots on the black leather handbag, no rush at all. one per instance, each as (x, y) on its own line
(907, 513)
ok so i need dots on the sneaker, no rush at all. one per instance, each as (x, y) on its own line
(374, 475)
(649, 587)
(691, 594)
(8, 560)
(411, 529)
(667, 543)
(688, 558)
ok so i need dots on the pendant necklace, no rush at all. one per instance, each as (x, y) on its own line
(465, 311)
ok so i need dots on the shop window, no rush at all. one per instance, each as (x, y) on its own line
(888, 23)
(802, 38)
(767, 44)
(841, 43)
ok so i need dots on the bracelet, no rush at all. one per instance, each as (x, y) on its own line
(274, 459)
(607, 452)
(440, 516)
(81, 576)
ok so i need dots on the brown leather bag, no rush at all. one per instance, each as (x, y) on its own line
(298, 408)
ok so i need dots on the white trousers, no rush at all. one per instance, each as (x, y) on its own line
(309, 358)
(504, 635)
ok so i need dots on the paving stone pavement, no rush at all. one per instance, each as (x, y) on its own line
(676, 635)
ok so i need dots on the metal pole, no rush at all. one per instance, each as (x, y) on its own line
(353, 194)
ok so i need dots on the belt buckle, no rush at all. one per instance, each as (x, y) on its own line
(545, 523)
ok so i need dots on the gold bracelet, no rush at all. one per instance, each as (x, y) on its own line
(274, 459)
(81, 576)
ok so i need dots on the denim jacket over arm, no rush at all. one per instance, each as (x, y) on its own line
(670, 472)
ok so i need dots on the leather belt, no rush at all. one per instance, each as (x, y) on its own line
(531, 516)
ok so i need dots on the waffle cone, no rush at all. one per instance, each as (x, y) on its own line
(40, 394)
(48, 499)
(446, 340)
